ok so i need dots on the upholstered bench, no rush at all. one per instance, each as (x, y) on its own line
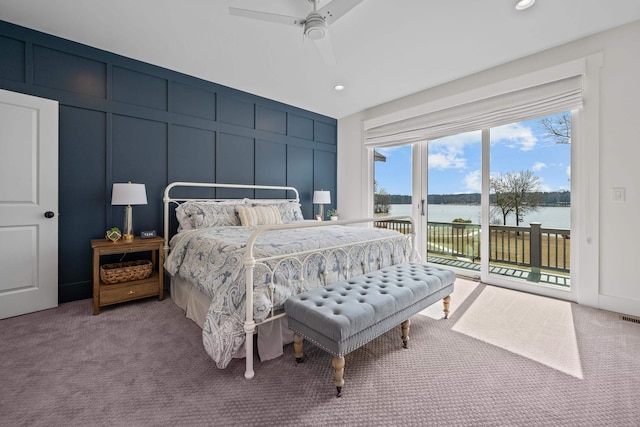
(345, 315)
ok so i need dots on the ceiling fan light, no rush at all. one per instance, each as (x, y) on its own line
(524, 4)
(315, 33)
(314, 27)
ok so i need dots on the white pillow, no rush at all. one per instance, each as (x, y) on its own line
(258, 215)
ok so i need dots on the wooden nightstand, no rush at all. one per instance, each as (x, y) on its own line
(104, 294)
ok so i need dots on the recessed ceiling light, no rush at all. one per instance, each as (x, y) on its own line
(338, 87)
(524, 4)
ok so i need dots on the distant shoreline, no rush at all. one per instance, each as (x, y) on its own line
(552, 198)
(549, 216)
(478, 204)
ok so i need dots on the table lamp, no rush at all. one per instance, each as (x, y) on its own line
(127, 195)
(321, 198)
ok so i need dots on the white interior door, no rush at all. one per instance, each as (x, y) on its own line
(28, 204)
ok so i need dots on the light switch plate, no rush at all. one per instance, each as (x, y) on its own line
(617, 194)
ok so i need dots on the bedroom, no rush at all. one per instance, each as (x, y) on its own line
(84, 187)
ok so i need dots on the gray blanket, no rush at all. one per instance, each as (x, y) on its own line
(212, 259)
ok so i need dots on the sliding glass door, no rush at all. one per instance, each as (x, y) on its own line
(530, 201)
(499, 202)
(453, 214)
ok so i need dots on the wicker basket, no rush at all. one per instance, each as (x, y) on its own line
(125, 271)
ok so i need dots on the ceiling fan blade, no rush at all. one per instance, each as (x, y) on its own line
(336, 9)
(326, 49)
(270, 17)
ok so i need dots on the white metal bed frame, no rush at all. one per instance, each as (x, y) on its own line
(250, 262)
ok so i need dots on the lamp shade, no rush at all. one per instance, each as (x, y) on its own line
(321, 197)
(129, 194)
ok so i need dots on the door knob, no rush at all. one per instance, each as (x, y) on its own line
(49, 214)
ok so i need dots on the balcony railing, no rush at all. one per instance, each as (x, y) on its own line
(530, 247)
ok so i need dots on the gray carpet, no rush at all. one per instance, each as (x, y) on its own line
(142, 364)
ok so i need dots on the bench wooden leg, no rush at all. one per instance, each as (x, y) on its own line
(445, 301)
(297, 348)
(405, 333)
(338, 373)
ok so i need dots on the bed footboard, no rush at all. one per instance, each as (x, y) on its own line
(251, 262)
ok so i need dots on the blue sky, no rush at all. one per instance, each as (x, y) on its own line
(454, 162)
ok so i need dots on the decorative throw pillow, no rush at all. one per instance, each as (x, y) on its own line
(258, 215)
(289, 211)
(193, 215)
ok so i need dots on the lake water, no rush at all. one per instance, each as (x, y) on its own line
(548, 216)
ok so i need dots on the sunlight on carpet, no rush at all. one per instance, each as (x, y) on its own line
(461, 290)
(535, 327)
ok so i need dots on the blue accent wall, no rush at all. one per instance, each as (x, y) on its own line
(124, 120)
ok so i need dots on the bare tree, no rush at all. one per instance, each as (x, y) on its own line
(503, 200)
(526, 188)
(558, 128)
(381, 201)
(517, 193)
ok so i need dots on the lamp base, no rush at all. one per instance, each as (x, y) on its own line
(127, 232)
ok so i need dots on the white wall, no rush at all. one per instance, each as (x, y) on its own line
(352, 163)
(617, 288)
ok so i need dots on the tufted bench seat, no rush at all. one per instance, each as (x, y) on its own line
(347, 314)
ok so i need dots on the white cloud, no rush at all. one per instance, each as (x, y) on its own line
(448, 152)
(569, 171)
(473, 181)
(538, 166)
(446, 160)
(520, 136)
(459, 140)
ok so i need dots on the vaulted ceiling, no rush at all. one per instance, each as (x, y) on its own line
(384, 49)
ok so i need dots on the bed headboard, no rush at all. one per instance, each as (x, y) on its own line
(168, 199)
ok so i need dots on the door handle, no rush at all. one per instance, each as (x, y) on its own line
(49, 214)
(422, 207)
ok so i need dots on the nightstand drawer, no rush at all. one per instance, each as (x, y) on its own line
(111, 294)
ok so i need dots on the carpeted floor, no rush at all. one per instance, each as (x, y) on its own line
(142, 364)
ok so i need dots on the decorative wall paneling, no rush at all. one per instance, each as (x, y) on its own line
(124, 120)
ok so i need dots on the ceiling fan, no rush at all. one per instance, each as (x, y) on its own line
(315, 24)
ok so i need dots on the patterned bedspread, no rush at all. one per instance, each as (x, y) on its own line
(212, 259)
